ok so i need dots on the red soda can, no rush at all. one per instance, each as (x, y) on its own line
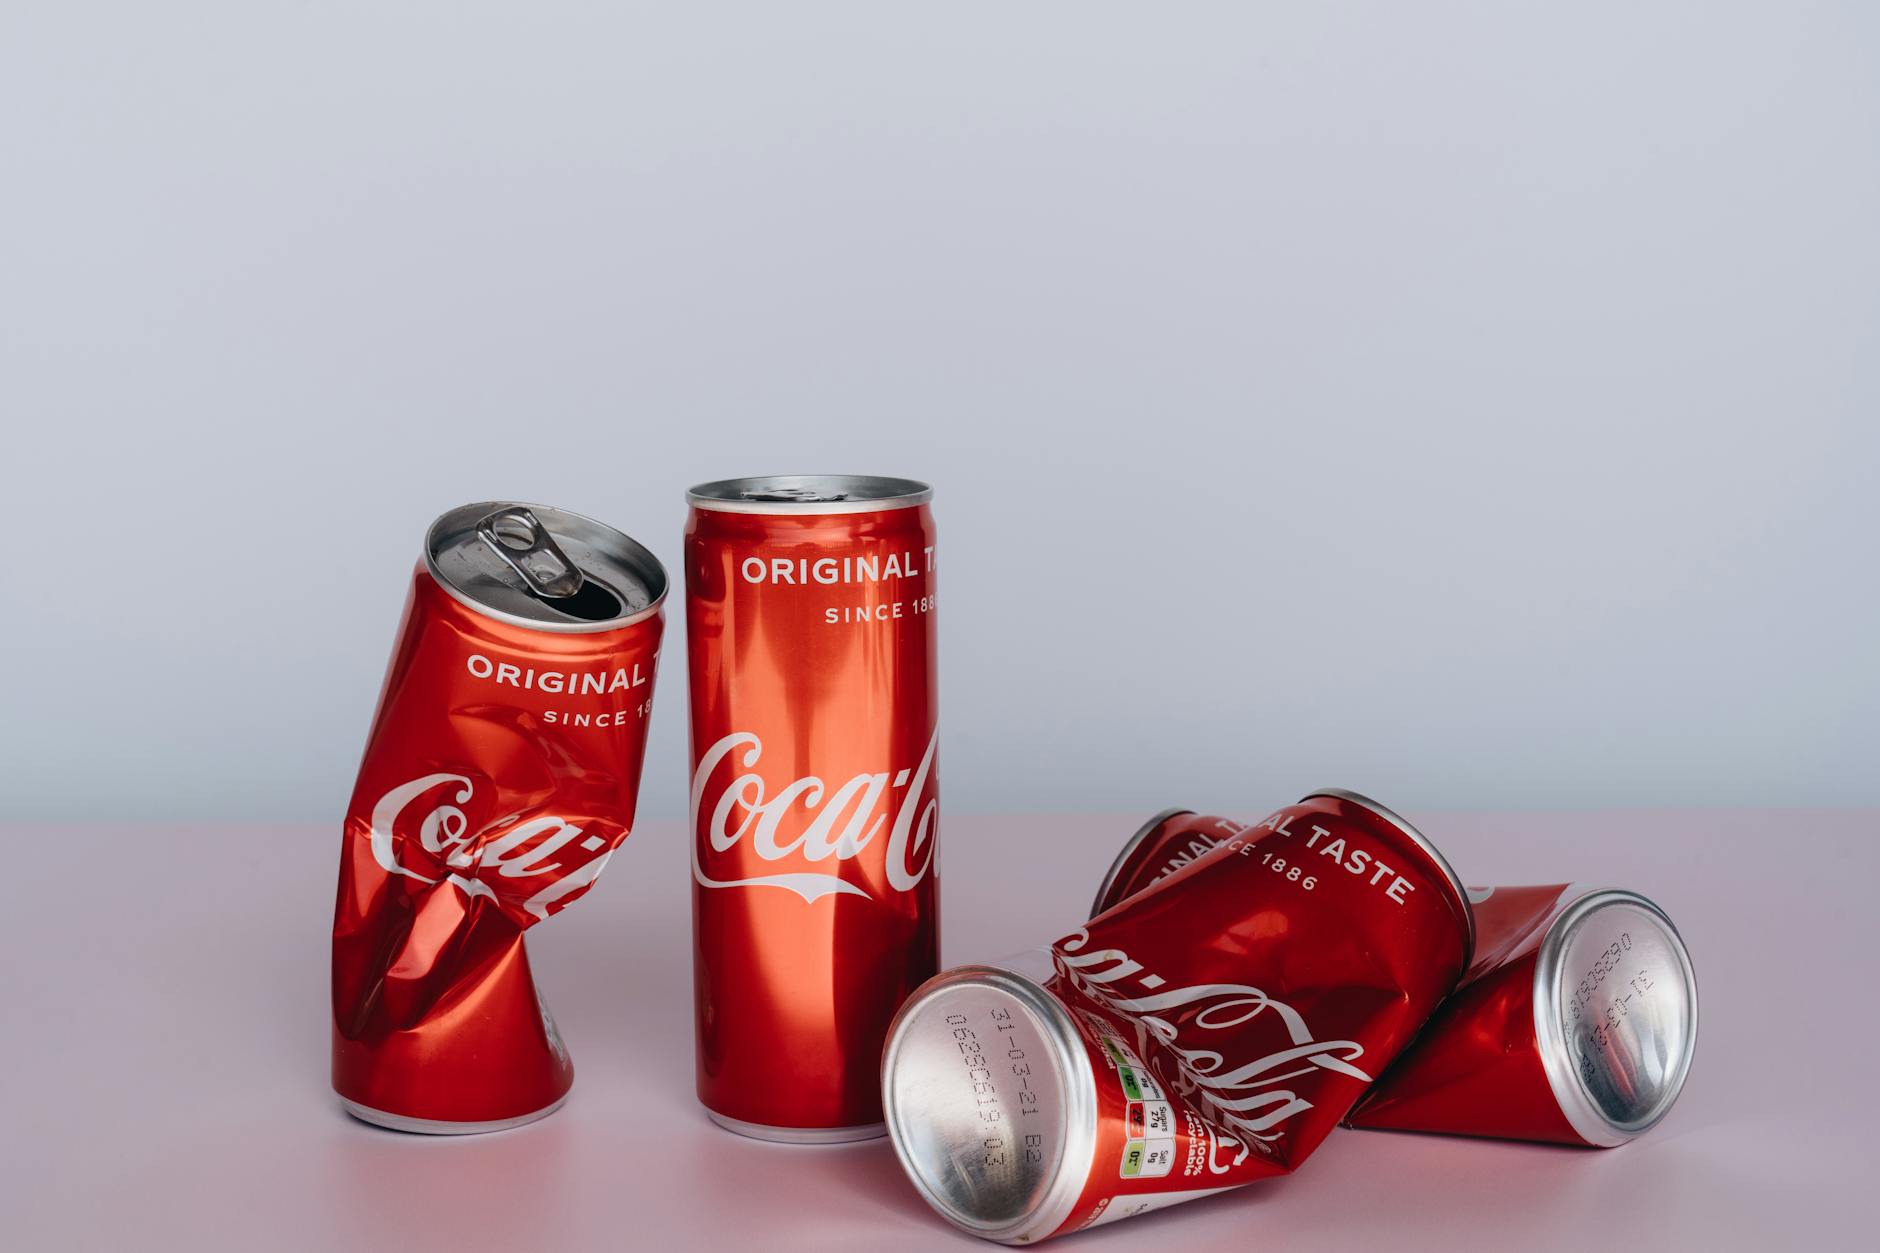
(1204, 1033)
(814, 799)
(1160, 847)
(1575, 1024)
(499, 776)
(1530, 1047)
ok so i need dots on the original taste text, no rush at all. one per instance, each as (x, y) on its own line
(1317, 851)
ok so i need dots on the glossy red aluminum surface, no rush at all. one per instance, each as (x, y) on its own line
(500, 775)
(1477, 1070)
(1165, 844)
(1228, 1016)
(1494, 1062)
(814, 803)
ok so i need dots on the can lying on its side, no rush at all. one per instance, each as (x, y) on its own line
(1575, 1024)
(1531, 1046)
(499, 776)
(1204, 1033)
(1162, 845)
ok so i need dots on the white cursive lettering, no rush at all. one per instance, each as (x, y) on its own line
(842, 823)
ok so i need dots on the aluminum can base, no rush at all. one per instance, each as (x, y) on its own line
(1136, 1055)
(1576, 1025)
(434, 1127)
(800, 1135)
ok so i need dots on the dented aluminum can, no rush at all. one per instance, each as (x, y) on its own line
(1575, 1024)
(499, 776)
(1531, 1046)
(1164, 844)
(1201, 1034)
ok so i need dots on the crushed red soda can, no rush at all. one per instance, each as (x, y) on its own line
(815, 792)
(1162, 845)
(1575, 1024)
(1531, 1046)
(499, 776)
(1204, 1033)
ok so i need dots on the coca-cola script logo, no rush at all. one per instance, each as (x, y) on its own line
(1248, 1095)
(857, 806)
(528, 850)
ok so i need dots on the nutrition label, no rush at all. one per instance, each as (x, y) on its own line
(1149, 1146)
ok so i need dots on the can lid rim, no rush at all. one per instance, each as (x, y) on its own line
(1129, 850)
(1059, 1198)
(650, 565)
(1456, 887)
(1581, 1111)
(884, 492)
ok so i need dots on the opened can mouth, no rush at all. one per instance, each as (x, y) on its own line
(990, 1102)
(543, 568)
(1615, 1014)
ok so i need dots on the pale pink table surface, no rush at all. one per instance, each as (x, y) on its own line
(165, 1062)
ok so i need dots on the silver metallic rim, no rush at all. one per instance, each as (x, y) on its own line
(1129, 850)
(1080, 1104)
(433, 1127)
(728, 495)
(1576, 1103)
(800, 1135)
(1456, 886)
(639, 551)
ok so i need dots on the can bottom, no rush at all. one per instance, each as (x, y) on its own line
(936, 1101)
(1615, 1014)
(800, 1135)
(435, 1127)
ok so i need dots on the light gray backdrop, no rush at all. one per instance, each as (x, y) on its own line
(1470, 404)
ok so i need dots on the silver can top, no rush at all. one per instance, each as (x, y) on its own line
(937, 1084)
(809, 494)
(1615, 1014)
(543, 568)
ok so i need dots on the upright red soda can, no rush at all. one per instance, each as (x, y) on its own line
(810, 636)
(1204, 1033)
(499, 776)
(1575, 1024)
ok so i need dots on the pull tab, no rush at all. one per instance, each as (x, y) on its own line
(795, 495)
(525, 546)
